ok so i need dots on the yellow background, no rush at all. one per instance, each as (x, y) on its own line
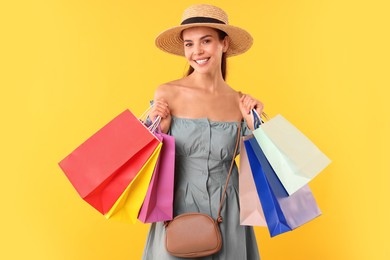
(70, 66)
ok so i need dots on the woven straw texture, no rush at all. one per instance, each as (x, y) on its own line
(239, 40)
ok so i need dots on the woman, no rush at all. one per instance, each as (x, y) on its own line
(203, 113)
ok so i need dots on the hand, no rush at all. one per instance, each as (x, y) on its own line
(161, 108)
(246, 104)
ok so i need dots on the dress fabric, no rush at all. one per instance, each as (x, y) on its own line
(204, 151)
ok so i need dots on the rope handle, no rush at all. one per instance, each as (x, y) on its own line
(154, 125)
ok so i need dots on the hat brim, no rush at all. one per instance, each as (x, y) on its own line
(170, 40)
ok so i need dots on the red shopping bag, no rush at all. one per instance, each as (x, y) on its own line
(102, 167)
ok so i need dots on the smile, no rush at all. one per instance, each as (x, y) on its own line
(202, 61)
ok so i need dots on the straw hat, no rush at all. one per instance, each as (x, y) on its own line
(204, 15)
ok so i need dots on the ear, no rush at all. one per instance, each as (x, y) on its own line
(225, 43)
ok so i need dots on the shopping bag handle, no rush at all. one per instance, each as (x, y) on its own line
(145, 114)
(256, 119)
(155, 125)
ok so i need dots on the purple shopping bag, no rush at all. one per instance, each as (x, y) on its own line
(158, 202)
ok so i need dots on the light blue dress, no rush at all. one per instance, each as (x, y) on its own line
(204, 151)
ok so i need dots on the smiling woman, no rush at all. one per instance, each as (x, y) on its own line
(203, 49)
(222, 36)
(205, 115)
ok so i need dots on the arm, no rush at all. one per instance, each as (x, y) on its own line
(161, 108)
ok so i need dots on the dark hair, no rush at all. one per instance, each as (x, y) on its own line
(221, 36)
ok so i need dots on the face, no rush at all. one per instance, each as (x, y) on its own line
(203, 48)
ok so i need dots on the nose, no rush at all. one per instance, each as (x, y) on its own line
(198, 49)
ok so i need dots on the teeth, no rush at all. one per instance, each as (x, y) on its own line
(201, 61)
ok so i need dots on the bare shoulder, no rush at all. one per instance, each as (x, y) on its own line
(165, 91)
(233, 94)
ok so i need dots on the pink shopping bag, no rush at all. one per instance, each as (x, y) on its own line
(158, 203)
(251, 213)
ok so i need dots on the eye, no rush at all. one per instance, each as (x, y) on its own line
(206, 41)
(187, 44)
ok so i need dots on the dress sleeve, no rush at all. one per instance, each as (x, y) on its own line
(244, 132)
(245, 129)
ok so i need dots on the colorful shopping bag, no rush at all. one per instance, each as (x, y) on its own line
(102, 167)
(127, 207)
(276, 221)
(298, 208)
(251, 212)
(158, 203)
(294, 158)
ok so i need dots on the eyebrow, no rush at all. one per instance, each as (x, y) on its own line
(201, 38)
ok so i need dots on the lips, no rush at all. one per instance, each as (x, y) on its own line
(202, 61)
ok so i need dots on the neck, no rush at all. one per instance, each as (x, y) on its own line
(210, 82)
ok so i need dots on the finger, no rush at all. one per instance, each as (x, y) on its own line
(248, 100)
(158, 113)
(244, 103)
(249, 104)
(260, 107)
(160, 108)
(253, 104)
(163, 111)
(160, 103)
(244, 99)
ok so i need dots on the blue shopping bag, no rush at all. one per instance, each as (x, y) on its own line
(276, 221)
(298, 208)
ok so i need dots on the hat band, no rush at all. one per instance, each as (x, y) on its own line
(201, 20)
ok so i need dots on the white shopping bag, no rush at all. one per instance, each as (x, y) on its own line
(294, 158)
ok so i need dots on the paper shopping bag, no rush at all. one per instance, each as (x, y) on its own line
(251, 212)
(127, 207)
(298, 208)
(294, 158)
(158, 203)
(276, 221)
(102, 167)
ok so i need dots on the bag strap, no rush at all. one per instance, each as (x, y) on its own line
(219, 218)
